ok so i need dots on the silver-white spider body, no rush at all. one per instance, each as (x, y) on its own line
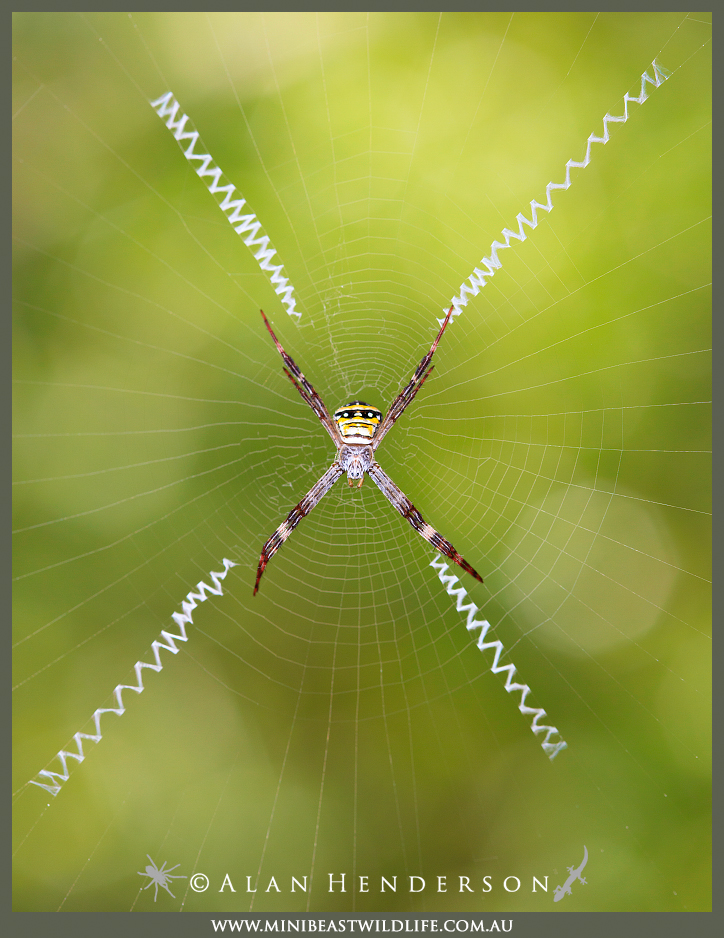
(355, 460)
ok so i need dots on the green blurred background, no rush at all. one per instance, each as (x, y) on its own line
(343, 720)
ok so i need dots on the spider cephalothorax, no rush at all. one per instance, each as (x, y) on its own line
(357, 429)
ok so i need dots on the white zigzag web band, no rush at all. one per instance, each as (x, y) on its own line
(477, 280)
(53, 780)
(217, 184)
(472, 287)
(448, 581)
(167, 106)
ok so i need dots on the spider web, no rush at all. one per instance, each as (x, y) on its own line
(343, 721)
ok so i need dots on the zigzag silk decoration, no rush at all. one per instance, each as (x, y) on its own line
(52, 781)
(448, 581)
(477, 280)
(212, 177)
(472, 287)
(188, 138)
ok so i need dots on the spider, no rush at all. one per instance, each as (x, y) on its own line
(357, 429)
(160, 877)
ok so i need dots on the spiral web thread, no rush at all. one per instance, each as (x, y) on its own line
(449, 581)
(212, 177)
(182, 129)
(168, 105)
(168, 643)
(477, 280)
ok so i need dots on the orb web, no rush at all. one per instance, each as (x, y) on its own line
(343, 720)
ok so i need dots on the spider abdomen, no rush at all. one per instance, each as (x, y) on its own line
(357, 422)
(355, 460)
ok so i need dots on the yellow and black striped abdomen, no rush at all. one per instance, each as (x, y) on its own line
(358, 420)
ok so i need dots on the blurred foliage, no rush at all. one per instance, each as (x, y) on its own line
(343, 721)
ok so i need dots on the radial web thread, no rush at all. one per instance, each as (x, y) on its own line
(449, 581)
(217, 184)
(52, 781)
(248, 224)
(477, 280)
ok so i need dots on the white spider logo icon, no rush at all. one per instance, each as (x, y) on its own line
(160, 877)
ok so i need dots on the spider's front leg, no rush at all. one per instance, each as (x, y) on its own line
(312, 498)
(405, 507)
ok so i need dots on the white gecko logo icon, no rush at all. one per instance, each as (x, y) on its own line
(574, 874)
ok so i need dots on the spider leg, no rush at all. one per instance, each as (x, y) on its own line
(405, 507)
(406, 396)
(312, 498)
(294, 373)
